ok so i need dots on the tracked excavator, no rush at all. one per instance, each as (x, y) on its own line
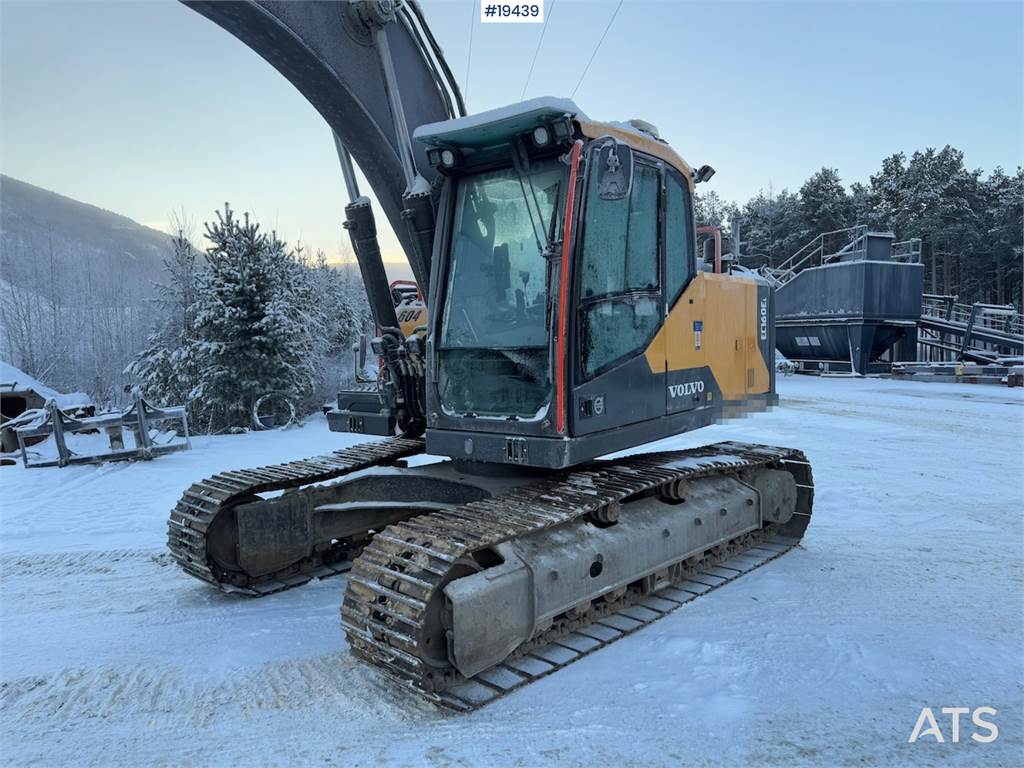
(485, 541)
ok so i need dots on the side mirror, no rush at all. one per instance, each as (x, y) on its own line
(702, 174)
(614, 168)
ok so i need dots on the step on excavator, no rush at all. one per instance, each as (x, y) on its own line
(485, 541)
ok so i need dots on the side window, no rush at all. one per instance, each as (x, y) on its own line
(642, 244)
(619, 280)
(616, 329)
(604, 243)
(678, 237)
(620, 238)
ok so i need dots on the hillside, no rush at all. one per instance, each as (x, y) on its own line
(37, 224)
(77, 280)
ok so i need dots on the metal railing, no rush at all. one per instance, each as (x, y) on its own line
(818, 251)
(832, 246)
(950, 330)
(1003, 318)
(908, 251)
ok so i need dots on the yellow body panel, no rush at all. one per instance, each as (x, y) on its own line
(411, 317)
(727, 307)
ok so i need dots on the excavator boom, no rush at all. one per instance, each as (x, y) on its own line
(331, 52)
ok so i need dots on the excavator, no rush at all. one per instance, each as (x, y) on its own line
(508, 525)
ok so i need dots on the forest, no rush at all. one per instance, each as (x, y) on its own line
(970, 224)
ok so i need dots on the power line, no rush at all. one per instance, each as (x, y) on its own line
(597, 47)
(543, 29)
(469, 54)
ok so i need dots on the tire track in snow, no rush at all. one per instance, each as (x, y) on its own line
(163, 696)
(60, 564)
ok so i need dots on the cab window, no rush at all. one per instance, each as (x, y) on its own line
(679, 267)
(620, 295)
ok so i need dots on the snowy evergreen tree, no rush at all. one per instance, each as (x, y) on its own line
(772, 227)
(340, 321)
(248, 318)
(709, 209)
(1004, 215)
(862, 206)
(342, 325)
(258, 328)
(166, 368)
(354, 293)
(824, 204)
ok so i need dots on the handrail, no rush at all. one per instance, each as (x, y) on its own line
(819, 251)
(908, 251)
(812, 254)
(1002, 318)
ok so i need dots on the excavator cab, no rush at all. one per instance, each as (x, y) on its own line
(566, 316)
(562, 248)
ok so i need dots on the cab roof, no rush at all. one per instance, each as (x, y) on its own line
(497, 126)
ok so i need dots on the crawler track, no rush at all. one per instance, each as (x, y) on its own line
(203, 501)
(396, 582)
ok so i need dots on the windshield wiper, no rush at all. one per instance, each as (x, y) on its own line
(520, 162)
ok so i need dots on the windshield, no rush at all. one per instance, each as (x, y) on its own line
(494, 337)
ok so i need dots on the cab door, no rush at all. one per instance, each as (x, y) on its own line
(686, 384)
(620, 304)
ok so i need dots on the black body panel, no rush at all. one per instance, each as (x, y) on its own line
(626, 394)
(559, 452)
(361, 411)
(868, 290)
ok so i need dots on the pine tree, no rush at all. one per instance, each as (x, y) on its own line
(709, 209)
(824, 204)
(1004, 231)
(257, 324)
(773, 228)
(166, 370)
(862, 206)
(342, 325)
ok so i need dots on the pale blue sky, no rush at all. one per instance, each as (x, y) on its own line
(146, 107)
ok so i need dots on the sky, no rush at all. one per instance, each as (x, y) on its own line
(149, 110)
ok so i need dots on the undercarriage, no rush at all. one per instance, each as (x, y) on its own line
(467, 581)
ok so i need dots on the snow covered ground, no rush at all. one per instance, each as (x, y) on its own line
(907, 593)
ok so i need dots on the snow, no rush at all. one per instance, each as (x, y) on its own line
(547, 105)
(419, 186)
(640, 128)
(14, 380)
(906, 593)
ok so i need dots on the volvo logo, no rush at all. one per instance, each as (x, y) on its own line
(689, 388)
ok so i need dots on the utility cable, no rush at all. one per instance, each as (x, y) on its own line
(603, 35)
(543, 29)
(469, 54)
